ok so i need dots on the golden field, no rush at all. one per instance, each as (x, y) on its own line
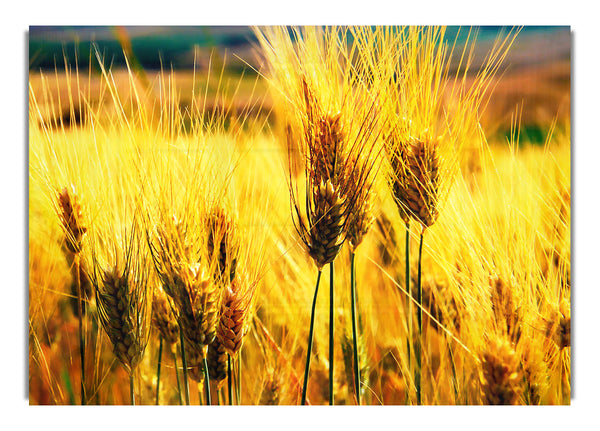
(211, 185)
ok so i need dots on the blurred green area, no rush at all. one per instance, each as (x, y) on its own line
(153, 47)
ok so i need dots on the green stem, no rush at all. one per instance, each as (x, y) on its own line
(184, 364)
(160, 347)
(206, 382)
(131, 391)
(419, 322)
(80, 308)
(229, 381)
(177, 377)
(238, 380)
(95, 334)
(310, 340)
(354, 331)
(409, 293)
(331, 330)
(453, 365)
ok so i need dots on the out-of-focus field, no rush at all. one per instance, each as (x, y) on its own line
(540, 93)
(535, 79)
(496, 265)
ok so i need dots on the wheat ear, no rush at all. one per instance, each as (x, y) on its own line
(71, 217)
(122, 299)
(197, 298)
(500, 373)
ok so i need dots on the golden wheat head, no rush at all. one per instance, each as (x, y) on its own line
(71, 217)
(124, 308)
(163, 317)
(223, 244)
(501, 376)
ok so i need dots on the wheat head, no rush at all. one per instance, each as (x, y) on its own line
(500, 373)
(123, 311)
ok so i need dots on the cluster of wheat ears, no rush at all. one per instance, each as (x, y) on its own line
(171, 243)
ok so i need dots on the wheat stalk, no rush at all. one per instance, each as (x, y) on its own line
(73, 225)
(193, 291)
(332, 121)
(197, 298)
(326, 203)
(165, 321)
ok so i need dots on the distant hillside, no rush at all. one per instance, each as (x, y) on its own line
(152, 46)
(174, 45)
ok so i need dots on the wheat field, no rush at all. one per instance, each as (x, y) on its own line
(345, 228)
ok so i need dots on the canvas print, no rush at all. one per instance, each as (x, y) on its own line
(331, 215)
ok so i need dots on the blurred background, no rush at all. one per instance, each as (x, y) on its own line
(535, 80)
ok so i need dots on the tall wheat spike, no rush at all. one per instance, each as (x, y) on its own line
(193, 290)
(425, 133)
(332, 122)
(73, 225)
(124, 299)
